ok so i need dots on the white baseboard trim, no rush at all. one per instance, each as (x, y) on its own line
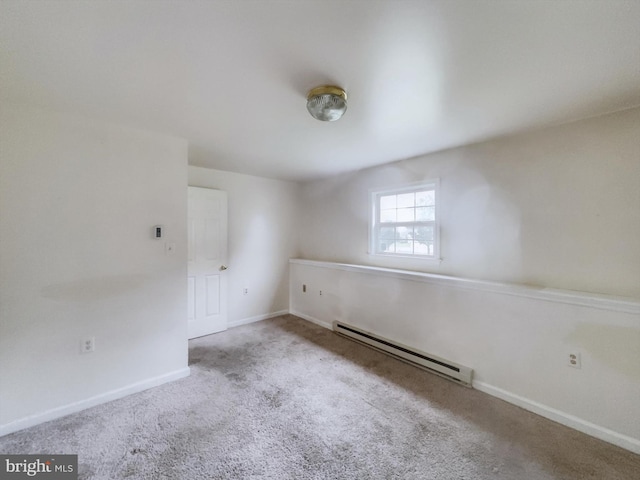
(311, 319)
(75, 407)
(257, 318)
(602, 433)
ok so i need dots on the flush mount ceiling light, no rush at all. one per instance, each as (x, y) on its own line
(327, 103)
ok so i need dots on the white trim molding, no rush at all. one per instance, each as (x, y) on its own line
(585, 299)
(75, 407)
(311, 319)
(563, 418)
(257, 318)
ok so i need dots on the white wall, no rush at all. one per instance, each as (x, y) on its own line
(262, 238)
(559, 207)
(78, 199)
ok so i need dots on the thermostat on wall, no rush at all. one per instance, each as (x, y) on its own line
(158, 231)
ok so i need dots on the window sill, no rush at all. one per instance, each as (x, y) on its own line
(421, 258)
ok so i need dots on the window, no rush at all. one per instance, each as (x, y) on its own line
(404, 221)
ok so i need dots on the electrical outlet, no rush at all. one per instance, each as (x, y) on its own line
(304, 288)
(245, 291)
(573, 360)
(320, 292)
(88, 345)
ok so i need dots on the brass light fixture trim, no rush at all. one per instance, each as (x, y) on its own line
(327, 102)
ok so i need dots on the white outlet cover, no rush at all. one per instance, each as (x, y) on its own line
(574, 360)
(88, 345)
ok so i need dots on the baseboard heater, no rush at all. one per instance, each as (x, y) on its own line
(452, 371)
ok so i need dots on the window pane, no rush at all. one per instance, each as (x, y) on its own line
(401, 243)
(425, 214)
(405, 214)
(386, 239)
(388, 247)
(423, 240)
(388, 201)
(404, 247)
(388, 216)
(424, 234)
(423, 248)
(406, 200)
(404, 233)
(412, 235)
(426, 197)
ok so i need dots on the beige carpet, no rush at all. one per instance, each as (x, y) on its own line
(285, 399)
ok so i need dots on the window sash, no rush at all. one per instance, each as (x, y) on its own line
(431, 245)
(412, 226)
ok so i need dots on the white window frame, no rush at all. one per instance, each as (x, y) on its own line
(375, 224)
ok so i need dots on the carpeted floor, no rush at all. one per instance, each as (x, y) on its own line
(286, 399)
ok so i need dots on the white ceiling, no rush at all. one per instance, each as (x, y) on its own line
(232, 76)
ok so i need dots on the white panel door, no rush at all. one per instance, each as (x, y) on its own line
(207, 307)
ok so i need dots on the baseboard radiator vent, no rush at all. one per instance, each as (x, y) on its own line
(450, 370)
